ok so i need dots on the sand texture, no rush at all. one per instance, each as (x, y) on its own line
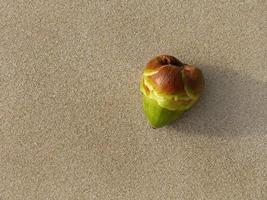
(71, 120)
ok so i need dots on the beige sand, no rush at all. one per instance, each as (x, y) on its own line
(71, 119)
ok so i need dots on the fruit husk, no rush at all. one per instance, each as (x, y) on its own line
(157, 115)
(170, 88)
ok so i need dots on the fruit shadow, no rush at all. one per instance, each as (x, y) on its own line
(232, 102)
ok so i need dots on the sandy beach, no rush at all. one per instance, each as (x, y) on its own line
(71, 120)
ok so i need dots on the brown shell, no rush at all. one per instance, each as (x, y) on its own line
(163, 60)
(168, 78)
(194, 78)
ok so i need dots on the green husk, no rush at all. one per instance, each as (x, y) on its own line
(157, 115)
(168, 89)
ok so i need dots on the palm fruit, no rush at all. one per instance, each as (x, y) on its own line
(170, 87)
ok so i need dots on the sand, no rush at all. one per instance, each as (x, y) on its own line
(71, 120)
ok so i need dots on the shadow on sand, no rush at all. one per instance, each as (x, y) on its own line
(231, 103)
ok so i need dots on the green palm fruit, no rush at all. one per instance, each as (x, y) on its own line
(169, 88)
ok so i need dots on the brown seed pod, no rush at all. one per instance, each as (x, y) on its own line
(170, 86)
